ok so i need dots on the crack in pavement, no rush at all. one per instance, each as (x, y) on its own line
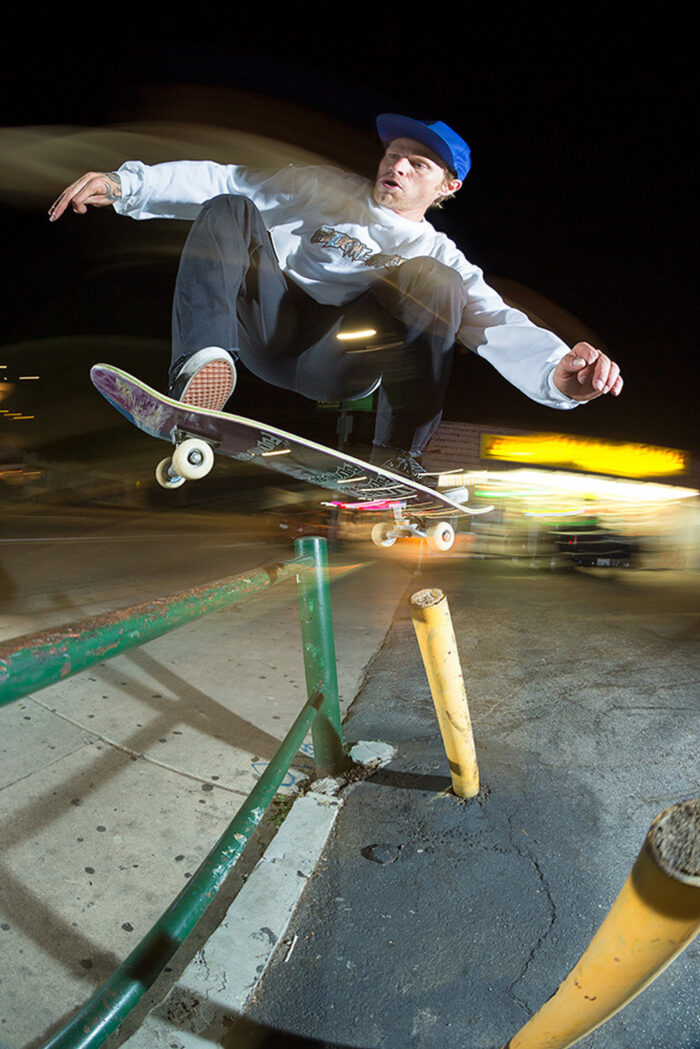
(552, 912)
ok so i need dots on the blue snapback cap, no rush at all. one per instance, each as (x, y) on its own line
(448, 145)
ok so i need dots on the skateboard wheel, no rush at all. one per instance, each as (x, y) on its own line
(193, 459)
(381, 535)
(441, 536)
(166, 476)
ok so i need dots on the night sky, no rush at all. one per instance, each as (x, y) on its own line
(582, 148)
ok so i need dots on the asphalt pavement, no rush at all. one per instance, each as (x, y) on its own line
(438, 923)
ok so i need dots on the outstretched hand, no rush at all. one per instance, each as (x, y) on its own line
(585, 373)
(97, 188)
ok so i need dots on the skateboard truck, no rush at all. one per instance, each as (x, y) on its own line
(440, 536)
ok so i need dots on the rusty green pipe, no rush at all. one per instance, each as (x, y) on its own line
(36, 660)
(114, 1000)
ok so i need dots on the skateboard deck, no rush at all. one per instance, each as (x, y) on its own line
(198, 433)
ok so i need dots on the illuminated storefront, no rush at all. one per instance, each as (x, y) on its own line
(557, 492)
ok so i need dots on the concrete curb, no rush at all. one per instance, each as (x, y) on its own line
(226, 970)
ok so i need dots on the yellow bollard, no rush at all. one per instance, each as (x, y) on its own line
(655, 916)
(438, 646)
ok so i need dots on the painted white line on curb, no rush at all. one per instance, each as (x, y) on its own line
(226, 970)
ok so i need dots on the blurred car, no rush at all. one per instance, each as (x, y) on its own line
(591, 546)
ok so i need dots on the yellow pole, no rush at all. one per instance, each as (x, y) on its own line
(438, 646)
(655, 916)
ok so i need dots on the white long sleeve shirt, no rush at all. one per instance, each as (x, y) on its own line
(333, 240)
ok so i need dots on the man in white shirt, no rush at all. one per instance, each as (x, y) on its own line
(279, 263)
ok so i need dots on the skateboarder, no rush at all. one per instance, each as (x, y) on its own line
(279, 264)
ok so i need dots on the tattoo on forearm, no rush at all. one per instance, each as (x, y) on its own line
(113, 186)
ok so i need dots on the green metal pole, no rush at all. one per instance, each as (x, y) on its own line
(319, 655)
(37, 660)
(112, 1003)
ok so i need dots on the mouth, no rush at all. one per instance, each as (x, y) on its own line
(389, 183)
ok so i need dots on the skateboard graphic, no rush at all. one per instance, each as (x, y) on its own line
(406, 507)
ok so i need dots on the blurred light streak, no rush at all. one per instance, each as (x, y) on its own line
(582, 453)
(347, 336)
(554, 513)
(37, 163)
(556, 483)
(461, 478)
(661, 521)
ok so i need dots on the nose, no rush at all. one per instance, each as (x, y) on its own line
(400, 165)
(397, 169)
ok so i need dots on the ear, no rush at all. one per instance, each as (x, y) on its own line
(450, 186)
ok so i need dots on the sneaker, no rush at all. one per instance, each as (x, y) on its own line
(206, 379)
(408, 464)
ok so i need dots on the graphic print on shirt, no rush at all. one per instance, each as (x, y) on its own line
(352, 248)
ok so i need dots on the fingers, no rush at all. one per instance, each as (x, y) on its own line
(59, 206)
(605, 375)
(595, 371)
(91, 188)
(68, 195)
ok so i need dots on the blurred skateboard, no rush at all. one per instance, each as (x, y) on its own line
(407, 508)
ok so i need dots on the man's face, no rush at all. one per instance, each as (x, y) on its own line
(411, 178)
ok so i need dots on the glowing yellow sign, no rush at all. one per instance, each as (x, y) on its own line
(584, 453)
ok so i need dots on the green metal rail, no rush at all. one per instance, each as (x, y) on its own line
(34, 661)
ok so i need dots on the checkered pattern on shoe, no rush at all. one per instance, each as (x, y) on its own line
(206, 380)
(211, 386)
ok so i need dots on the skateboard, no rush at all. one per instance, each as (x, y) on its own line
(406, 507)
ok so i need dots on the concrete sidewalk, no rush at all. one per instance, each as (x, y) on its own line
(439, 924)
(116, 783)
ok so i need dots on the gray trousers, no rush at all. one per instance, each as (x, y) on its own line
(231, 292)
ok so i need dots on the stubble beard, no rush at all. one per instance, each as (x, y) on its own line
(387, 197)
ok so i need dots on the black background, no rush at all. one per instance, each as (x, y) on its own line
(582, 142)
